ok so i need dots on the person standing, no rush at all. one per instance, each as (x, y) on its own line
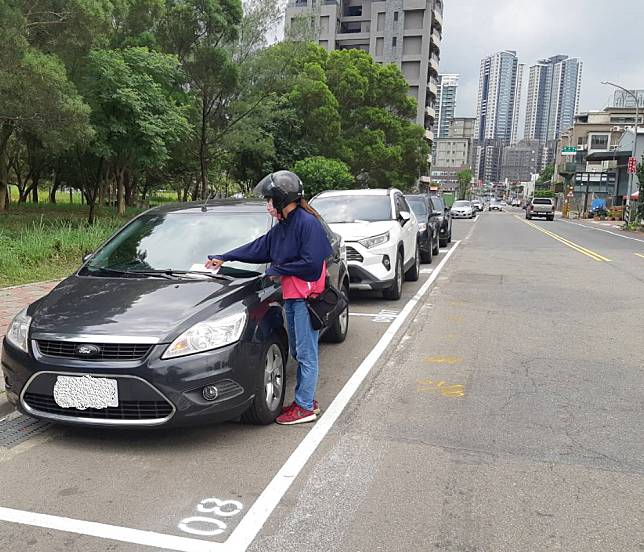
(297, 248)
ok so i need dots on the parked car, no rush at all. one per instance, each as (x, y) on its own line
(516, 202)
(463, 209)
(143, 335)
(495, 205)
(445, 219)
(428, 225)
(380, 231)
(541, 207)
(478, 205)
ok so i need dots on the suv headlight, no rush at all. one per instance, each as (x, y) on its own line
(18, 332)
(205, 336)
(375, 240)
(422, 227)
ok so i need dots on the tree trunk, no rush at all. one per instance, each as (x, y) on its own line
(203, 151)
(34, 192)
(101, 194)
(92, 209)
(54, 188)
(5, 132)
(71, 195)
(120, 200)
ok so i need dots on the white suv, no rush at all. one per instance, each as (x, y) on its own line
(381, 235)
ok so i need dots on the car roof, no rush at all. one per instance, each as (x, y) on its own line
(364, 191)
(214, 205)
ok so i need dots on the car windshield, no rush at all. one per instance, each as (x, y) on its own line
(180, 242)
(349, 208)
(438, 203)
(418, 206)
(462, 204)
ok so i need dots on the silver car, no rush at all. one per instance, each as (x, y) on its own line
(463, 209)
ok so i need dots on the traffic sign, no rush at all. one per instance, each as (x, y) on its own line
(570, 195)
(569, 150)
(632, 165)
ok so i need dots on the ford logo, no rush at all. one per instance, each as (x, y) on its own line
(88, 351)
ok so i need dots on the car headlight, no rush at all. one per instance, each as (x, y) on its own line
(422, 227)
(18, 332)
(375, 240)
(205, 336)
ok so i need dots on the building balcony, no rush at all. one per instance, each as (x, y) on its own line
(429, 135)
(430, 112)
(436, 38)
(438, 17)
(568, 168)
(434, 63)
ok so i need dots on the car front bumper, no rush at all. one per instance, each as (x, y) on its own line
(152, 392)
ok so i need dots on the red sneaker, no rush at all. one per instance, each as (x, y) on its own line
(316, 407)
(297, 415)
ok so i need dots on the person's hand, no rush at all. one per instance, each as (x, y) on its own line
(214, 264)
(276, 279)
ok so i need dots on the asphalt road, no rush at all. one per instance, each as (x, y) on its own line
(500, 410)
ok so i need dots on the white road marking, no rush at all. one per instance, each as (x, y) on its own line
(244, 534)
(252, 523)
(602, 230)
(105, 531)
(426, 270)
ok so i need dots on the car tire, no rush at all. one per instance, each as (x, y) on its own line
(426, 256)
(551, 218)
(413, 273)
(394, 291)
(337, 332)
(436, 245)
(271, 386)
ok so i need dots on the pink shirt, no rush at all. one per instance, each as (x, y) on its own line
(296, 288)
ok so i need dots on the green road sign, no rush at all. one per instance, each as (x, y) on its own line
(569, 150)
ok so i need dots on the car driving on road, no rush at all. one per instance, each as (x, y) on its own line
(541, 207)
(428, 225)
(144, 335)
(380, 232)
(463, 209)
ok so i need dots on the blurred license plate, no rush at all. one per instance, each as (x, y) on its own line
(85, 392)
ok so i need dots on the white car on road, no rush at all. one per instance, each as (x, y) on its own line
(381, 235)
(463, 209)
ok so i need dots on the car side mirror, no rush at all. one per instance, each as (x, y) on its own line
(87, 256)
(437, 213)
(405, 217)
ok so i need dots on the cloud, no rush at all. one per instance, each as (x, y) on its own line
(606, 35)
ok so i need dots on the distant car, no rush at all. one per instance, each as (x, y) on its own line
(445, 220)
(463, 209)
(541, 207)
(428, 225)
(495, 205)
(381, 235)
(478, 205)
(516, 203)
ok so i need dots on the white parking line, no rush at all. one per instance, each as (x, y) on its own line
(252, 523)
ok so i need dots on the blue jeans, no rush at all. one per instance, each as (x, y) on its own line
(303, 344)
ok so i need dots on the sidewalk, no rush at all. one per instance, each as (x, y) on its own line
(612, 225)
(12, 301)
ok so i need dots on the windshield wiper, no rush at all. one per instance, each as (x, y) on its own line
(213, 275)
(158, 274)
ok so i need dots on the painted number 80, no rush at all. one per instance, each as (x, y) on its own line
(205, 526)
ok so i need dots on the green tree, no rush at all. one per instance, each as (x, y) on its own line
(546, 174)
(464, 182)
(320, 173)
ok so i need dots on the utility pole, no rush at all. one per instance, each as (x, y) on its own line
(631, 177)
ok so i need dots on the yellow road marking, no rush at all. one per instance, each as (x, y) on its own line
(451, 390)
(568, 243)
(443, 360)
(639, 255)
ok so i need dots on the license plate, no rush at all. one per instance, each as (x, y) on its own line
(85, 392)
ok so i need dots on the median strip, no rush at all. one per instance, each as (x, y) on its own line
(566, 242)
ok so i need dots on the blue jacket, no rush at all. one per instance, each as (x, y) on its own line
(297, 246)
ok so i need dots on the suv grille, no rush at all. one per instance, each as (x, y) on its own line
(108, 351)
(127, 410)
(353, 255)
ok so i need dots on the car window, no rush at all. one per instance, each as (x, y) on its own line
(438, 203)
(542, 201)
(404, 206)
(462, 204)
(177, 241)
(348, 208)
(419, 206)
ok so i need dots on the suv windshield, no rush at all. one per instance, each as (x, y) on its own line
(179, 242)
(438, 203)
(348, 208)
(418, 206)
(462, 204)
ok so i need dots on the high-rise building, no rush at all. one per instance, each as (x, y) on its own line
(499, 97)
(445, 104)
(623, 99)
(553, 98)
(519, 162)
(405, 33)
(497, 113)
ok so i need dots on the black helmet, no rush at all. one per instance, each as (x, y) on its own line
(283, 187)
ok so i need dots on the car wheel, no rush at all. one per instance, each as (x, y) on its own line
(337, 332)
(528, 216)
(413, 273)
(426, 256)
(395, 290)
(271, 385)
(551, 218)
(436, 245)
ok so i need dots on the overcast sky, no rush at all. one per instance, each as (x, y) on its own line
(608, 36)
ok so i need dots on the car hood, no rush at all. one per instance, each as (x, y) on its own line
(129, 307)
(354, 231)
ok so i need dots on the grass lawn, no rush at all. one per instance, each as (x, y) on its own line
(45, 242)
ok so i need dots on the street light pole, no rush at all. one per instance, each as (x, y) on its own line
(631, 177)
